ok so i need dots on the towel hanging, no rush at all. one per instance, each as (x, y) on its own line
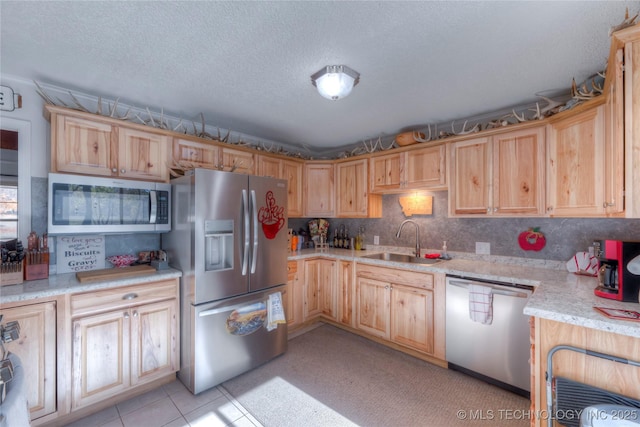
(275, 311)
(481, 304)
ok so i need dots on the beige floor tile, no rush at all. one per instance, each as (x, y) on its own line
(98, 419)
(141, 401)
(218, 413)
(186, 402)
(180, 422)
(157, 413)
(243, 422)
(174, 387)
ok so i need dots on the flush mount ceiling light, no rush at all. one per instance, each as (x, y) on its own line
(335, 81)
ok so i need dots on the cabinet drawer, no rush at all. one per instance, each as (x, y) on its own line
(122, 297)
(392, 275)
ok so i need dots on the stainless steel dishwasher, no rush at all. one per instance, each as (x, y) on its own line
(497, 352)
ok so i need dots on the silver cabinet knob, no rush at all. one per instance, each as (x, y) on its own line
(126, 314)
(122, 171)
(114, 170)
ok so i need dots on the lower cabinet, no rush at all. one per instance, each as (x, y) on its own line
(36, 349)
(346, 293)
(320, 288)
(129, 337)
(404, 307)
(293, 298)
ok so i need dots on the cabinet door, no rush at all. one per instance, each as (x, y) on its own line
(518, 172)
(328, 288)
(143, 155)
(187, 152)
(36, 349)
(575, 165)
(312, 304)
(269, 166)
(100, 361)
(319, 190)
(83, 146)
(425, 168)
(469, 191)
(290, 300)
(386, 172)
(292, 172)
(345, 293)
(614, 139)
(237, 160)
(372, 306)
(351, 179)
(412, 317)
(154, 341)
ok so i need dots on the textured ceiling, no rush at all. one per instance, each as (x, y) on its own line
(246, 65)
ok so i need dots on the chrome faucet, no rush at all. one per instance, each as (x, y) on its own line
(417, 252)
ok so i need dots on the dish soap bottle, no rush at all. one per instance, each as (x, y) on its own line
(444, 254)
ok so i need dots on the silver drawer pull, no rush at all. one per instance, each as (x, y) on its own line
(132, 295)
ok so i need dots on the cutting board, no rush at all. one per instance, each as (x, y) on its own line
(113, 273)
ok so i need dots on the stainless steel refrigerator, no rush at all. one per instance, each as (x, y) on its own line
(229, 239)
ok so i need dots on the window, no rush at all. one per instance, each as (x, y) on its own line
(8, 212)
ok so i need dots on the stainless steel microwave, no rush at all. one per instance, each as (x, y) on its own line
(85, 204)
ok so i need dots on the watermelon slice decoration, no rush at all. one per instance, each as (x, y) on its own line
(532, 240)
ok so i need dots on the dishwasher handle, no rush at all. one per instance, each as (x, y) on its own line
(494, 289)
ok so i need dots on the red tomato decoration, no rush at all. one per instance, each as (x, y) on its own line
(532, 240)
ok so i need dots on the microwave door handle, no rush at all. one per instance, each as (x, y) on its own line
(245, 214)
(153, 206)
(254, 211)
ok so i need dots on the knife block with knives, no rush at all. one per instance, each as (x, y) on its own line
(37, 257)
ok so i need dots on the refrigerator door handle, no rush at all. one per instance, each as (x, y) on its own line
(254, 211)
(245, 212)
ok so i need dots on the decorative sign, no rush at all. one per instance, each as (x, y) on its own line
(271, 216)
(416, 205)
(79, 253)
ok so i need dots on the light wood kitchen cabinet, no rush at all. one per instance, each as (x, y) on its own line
(87, 144)
(404, 307)
(294, 299)
(143, 155)
(353, 198)
(346, 293)
(79, 145)
(239, 161)
(576, 173)
(614, 136)
(470, 168)
(192, 151)
(320, 288)
(500, 175)
(291, 171)
(628, 85)
(319, 190)
(36, 349)
(415, 169)
(123, 337)
(605, 374)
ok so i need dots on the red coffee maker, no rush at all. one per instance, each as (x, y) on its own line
(619, 274)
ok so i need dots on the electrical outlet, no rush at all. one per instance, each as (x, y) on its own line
(483, 248)
(376, 240)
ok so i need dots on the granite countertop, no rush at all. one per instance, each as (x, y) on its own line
(61, 284)
(558, 295)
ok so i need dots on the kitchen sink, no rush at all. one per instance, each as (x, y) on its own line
(389, 256)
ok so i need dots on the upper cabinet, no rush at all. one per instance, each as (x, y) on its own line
(86, 145)
(422, 168)
(628, 40)
(576, 175)
(235, 160)
(319, 189)
(194, 152)
(353, 199)
(143, 155)
(499, 175)
(289, 170)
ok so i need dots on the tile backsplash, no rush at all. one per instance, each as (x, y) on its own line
(564, 236)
